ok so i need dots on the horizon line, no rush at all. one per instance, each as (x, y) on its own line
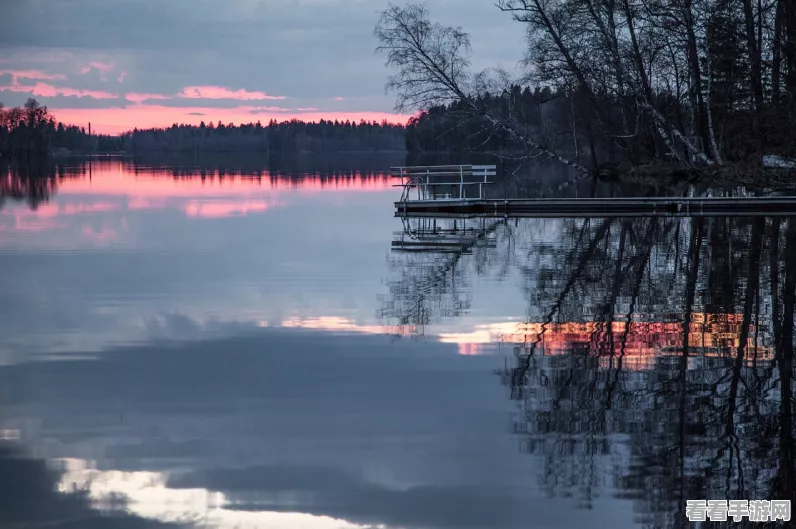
(116, 121)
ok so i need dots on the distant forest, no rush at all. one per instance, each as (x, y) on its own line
(664, 90)
(447, 128)
(33, 130)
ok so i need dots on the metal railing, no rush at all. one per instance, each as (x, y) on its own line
(431, 180)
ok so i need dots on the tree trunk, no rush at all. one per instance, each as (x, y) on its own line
(776, 55)
(756, 80)
(697, 100)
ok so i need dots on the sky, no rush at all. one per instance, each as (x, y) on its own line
(141, 63)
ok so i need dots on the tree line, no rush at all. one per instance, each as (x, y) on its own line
(701, 84)
(445, 127)
(33, 130)
(276, 137)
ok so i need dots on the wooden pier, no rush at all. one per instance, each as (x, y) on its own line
(442, 192)
(600, 207)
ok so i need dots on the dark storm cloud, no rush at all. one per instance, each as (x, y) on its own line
(301, 48)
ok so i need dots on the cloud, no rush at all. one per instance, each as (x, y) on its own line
(268, 110)
(136, 97)
(103, 68)
(196, 114)
(48, 90)
(251, 50)
(191, 95)
(17, 75)
(220, 92)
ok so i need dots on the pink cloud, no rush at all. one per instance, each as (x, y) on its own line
(48, 90)
(16, 75)
(122, 76)
(103, 68)
(307, 109)
(338, 98)
(262, 110)
(136, 97)
(219, 92)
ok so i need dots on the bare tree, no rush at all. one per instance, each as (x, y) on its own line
(432, 64)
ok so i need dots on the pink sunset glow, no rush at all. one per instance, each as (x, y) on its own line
(118, 120)
(142, 110)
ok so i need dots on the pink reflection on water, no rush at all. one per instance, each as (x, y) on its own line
(142, 184)
(216, 209)
(36, 225)
(96, 207)
(104, 234)
(43, 211)
(470, 349)
(101, 187)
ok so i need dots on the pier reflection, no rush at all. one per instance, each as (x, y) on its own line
(428, 280)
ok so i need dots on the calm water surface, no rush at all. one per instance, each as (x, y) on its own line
(189, 347)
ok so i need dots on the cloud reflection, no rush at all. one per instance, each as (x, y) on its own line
(148, 495)
(344, 427)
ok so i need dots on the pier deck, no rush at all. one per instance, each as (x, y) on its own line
(599, 207)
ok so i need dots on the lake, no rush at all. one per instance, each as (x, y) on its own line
(234, 345)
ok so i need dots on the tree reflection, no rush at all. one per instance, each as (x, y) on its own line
(708, 417)
(32, 181)
(656, 363)
(429, 279)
